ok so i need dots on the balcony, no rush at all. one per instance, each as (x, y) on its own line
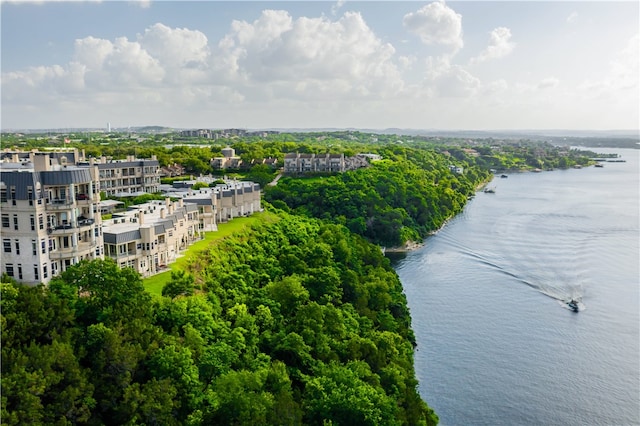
(124, 257)
(84, 199)
(60, 203)
(68, 252)
(82, 221)
(64, 229)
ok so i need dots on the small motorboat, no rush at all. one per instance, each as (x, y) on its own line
(504, 176)
(574, 305)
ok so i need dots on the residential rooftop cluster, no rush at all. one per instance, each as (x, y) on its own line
(51, 213)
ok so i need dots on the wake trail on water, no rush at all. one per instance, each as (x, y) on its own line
(552, 283)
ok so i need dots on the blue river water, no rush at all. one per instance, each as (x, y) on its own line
(496, 343)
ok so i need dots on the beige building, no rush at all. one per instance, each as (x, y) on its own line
(49, 219)
(129, 176)
(149, 236)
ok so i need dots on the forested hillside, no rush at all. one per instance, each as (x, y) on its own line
(404, 197)
(294, 321)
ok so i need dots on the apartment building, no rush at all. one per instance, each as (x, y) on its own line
(117, 177)
(309, 163)
(149, 236)
(129, 176)
(49, 219)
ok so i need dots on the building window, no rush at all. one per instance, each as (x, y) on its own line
(10, 269)
(33, 223)
(30, 195)
(45, 273)
(40, 222)
(36, 272)
(19, 271)
(15, 222)
(3, 195)
(13, 195)
(5, 220)
(54, 268)
(17, 246)
(43, 245)
(6, 243)
(34, 247)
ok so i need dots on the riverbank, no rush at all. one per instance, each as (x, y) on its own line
(405, 248)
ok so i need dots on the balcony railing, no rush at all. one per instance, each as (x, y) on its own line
(60, 203)
(78, 250)
(85, 222)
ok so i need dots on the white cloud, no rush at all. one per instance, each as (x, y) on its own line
(572, 17)
(337, 6)
(183, 53)
(500, 45)
(314, 56)
(436, 24)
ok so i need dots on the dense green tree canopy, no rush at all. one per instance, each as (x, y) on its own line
(294, 321)
(404, 197)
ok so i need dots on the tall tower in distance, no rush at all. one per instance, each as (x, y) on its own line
(108, 127)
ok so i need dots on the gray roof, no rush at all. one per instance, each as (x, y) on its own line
(23, 179)
(66, 176)
(122, 237)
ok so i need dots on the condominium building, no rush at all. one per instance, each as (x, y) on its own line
(117, 177)
(129, 176)
(224, 202)
(49, 216)
(309, 163)
(149, 236)
(296, 163)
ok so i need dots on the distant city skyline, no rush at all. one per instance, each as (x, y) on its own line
(296, 64)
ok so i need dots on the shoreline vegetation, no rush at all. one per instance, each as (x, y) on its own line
(294, 316)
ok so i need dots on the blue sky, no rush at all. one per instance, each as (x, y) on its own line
(424, 65)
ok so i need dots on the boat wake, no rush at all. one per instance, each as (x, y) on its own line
(547, 281)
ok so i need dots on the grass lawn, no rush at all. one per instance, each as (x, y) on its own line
(155, 283)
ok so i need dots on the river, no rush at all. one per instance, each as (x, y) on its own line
(496, 344)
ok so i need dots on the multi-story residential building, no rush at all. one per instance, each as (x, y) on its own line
(236, 199)
(227, 161)
(130, 176)
(149, 236)
(309, 163)
(49, 216)
(296, 163)
(117, 177)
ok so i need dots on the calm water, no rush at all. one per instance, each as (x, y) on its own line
(496, 346)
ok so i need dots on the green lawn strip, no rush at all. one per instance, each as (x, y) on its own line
(154, 283)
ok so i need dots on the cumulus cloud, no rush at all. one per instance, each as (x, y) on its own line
(313, 55)
(436, 24)
(275, 58)
(500, 45)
